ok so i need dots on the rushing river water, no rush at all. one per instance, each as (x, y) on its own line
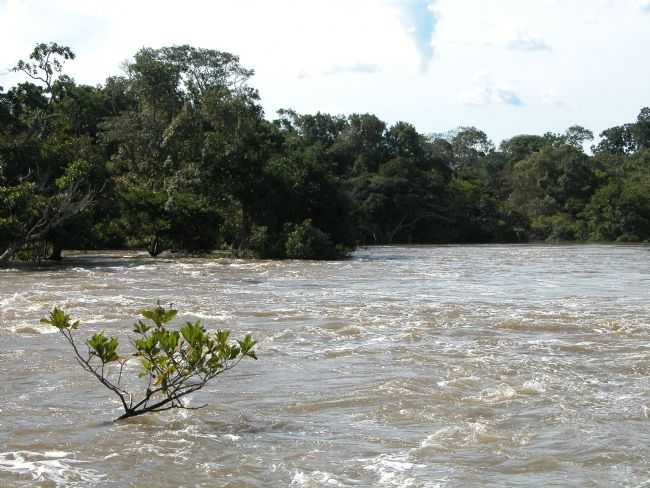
(453, 366)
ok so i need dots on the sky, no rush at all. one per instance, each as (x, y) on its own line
(507, 67)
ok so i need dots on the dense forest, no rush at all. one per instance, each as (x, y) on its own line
(176, 154)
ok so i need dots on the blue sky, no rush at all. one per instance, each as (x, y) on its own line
(505, 66)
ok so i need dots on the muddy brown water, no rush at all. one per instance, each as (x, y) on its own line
(448, 366)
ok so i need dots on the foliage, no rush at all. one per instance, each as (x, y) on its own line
(306, 241)
(174, 363)
(46, 170)
(178, 155)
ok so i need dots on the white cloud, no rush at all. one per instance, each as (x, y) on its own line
(360, 68)
(552, 98)
(524, 42)
(486, 92)
(558, 61)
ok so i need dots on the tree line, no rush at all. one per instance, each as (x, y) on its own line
(176, 154)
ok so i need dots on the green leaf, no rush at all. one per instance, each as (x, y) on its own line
(103, 347)
(141, 328)
(59, 319)
(193, 333)
(247, 344)
(234, 352)
(159, 315)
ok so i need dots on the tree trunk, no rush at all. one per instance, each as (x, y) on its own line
(154, 247)
(55, 255)
(9, 253)
(245, 231)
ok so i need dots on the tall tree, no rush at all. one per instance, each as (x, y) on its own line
(45, 169)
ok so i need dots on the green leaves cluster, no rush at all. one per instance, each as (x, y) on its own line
(61, 320)
(174, 363)
(170, 356)
(103, 347)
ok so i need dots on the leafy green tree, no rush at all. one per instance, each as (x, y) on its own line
(45, 169)
(174, 363)
(403, 199)
(470, 145)
(300, 187)
(404, 141)
(328, 135)
(398, 199)
(476, 215)
(577, 136)
(641, 130)
(627, 138)
(522, 146)
(192, 146)
(555, 180)
(620, 209)
(46, 64)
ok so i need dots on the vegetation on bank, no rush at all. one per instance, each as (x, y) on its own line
(176, 154)
(174, 363)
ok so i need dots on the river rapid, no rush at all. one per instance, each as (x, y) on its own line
(446, 366)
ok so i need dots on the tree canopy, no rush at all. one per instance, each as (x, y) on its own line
(177, 154)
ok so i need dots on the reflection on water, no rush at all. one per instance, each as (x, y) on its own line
(447, 366)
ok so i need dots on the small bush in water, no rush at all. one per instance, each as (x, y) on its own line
(306, 241)
(174, 363)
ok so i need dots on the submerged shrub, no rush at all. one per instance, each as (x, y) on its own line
(307, 241)
(266, 244)
(174, 363)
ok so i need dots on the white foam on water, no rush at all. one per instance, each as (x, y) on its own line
(32, 329)
(314, 479)
(533, 387)
(56, 454)
(393, 470)
(417, 335)
(179, 454)
(54, 466)
(498, 394)
(143, 267)
(221, 317)
(457, 436)
(443, 439)
(463, 381)
(18, 303)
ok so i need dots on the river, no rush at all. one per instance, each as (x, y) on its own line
(418, 366)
